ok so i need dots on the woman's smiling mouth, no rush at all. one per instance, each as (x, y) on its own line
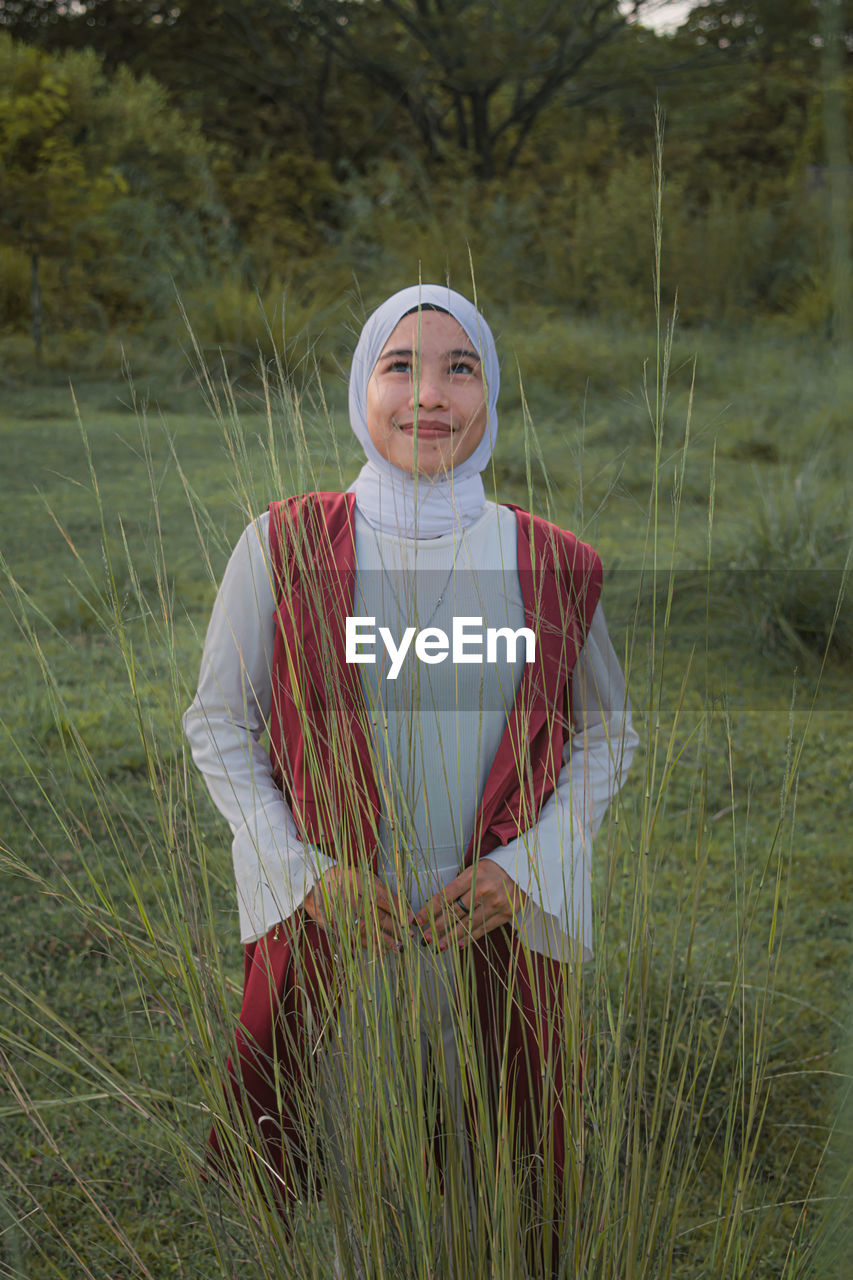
(427, 429)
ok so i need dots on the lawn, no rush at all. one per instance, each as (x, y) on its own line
(730, 846)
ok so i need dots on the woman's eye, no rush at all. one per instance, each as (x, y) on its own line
(400, 366)
(461, 366)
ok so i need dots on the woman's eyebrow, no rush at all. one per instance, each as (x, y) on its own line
(457, 353)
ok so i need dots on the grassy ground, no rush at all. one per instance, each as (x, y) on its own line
(95, 1070)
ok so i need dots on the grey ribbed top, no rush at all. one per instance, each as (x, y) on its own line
(437, 727)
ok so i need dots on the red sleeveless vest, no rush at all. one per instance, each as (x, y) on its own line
(319, 734)
(328, 784)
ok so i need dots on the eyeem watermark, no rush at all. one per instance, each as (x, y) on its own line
(432, 644)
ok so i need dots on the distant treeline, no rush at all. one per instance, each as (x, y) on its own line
(235, 147)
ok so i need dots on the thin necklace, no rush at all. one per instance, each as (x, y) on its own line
(440, 594)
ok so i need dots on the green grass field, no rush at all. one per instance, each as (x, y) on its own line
(742, 704)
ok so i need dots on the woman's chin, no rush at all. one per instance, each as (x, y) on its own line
(429, 468)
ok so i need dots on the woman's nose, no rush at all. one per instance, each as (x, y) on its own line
(428, 389)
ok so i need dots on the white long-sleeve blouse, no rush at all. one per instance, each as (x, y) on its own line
(274, 869)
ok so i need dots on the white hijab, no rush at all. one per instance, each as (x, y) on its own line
(393, 500)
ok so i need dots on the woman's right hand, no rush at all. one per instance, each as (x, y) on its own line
(360, 903)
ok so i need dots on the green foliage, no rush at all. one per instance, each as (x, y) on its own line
(14, 281)
(358, 141)
(398, 59)
(49, 181)
(762, 27)
(283, 205)
(237, 325)
(580, 227)
(105, 181)
(794, 563)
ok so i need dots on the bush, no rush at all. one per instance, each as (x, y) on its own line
(792, 566)
(14, 285)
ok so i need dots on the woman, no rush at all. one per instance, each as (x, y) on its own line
(435, 810)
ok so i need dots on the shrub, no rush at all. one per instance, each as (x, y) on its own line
(791, 567)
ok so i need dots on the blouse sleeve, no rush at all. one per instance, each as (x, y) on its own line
(224, 726)
(552, 861)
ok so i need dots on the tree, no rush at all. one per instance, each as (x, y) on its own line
(753, 109)
(483, 90)
(49, 185)
(98, 172)
(766, 28)
(472, 77)
(240, 65)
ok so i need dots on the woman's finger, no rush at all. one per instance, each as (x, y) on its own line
(365, 909)
(393, 904)
(457, 922)
(374, 940)
(379, 925)
(480, 927)
(389, 920)
(489, 912)
(442, 922)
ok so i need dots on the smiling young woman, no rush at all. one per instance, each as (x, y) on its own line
(426, 403)
(446, 813)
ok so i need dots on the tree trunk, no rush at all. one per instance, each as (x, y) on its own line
(837, 162)
(461, 122)
(36, 314)
(479, 100)
(318, 116)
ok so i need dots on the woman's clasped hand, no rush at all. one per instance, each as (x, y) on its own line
(350, 900)
(480, 898)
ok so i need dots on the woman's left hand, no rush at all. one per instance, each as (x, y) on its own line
(456, 916)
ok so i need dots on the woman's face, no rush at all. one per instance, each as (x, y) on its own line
(431, 380)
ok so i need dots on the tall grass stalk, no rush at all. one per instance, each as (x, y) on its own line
(669, 1030)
